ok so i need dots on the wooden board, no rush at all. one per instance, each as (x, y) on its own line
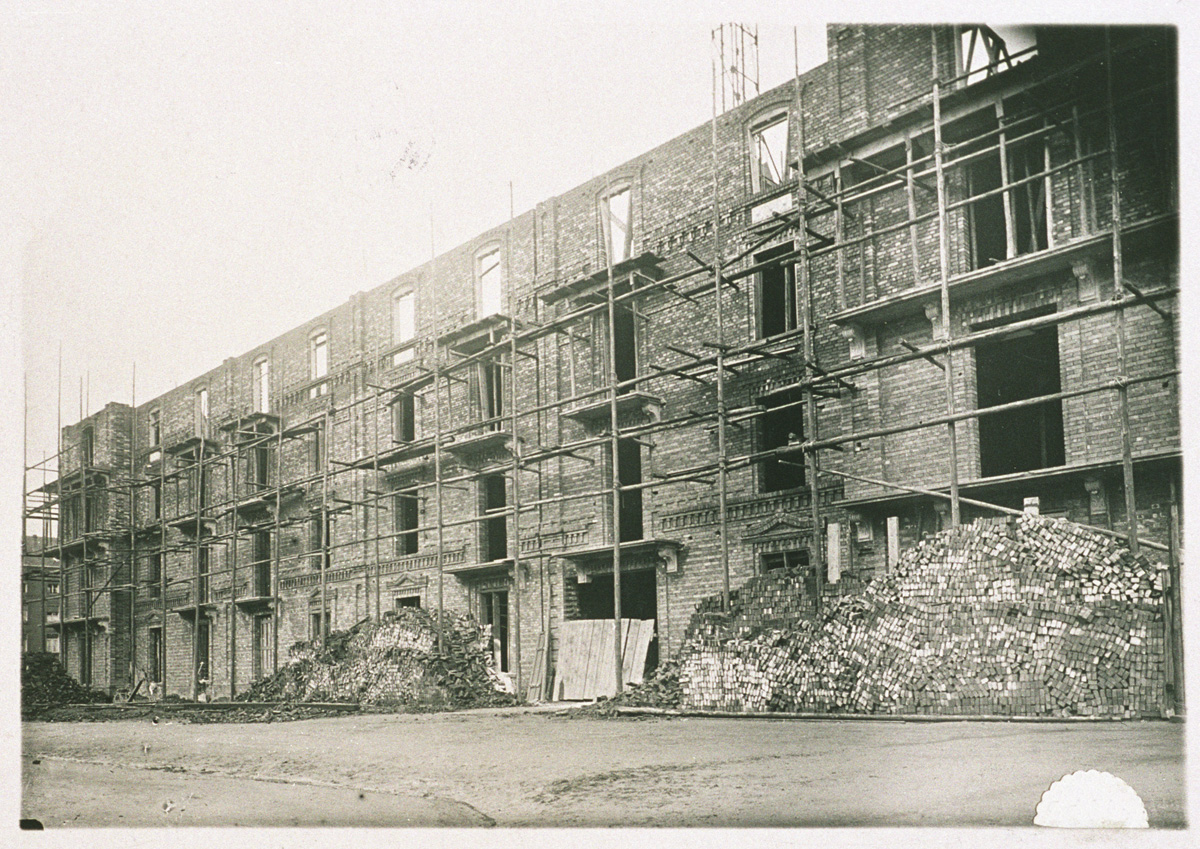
(586, 663)
(534, 691)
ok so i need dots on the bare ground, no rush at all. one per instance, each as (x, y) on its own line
(516, 768)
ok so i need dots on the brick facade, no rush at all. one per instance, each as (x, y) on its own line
(326, 440)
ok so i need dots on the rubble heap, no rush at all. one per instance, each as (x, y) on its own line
(1029, 616)
(44, 682)
(393, 662)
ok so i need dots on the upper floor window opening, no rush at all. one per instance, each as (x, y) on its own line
(1006, 210)
(489, 277)
(768, 152)
(201, 411)
(404, 418)
(87, 447)
(616, 210)
(155, 427)
(984, 51)
(318, 361)
(318, 350)
(261, 387)
(776, 294)
(404, 323)
(781, 425)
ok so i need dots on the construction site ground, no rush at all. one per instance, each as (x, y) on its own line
(546, 767)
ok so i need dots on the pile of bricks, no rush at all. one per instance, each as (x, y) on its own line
(393, 662)
(1028, 617)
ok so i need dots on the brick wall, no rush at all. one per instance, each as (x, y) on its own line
(857, 98)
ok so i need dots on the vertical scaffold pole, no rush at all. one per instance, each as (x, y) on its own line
(808, 316)
(944, 280)
(323, 443)
(615, 442)
(722, 412)
(437, 464)
(234, 460)
(133, 582)
(277, 546)
(515, 627)
(1119, 297)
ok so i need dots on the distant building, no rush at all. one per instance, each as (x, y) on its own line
(39, 595)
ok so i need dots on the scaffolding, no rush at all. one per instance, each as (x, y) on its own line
(495, 365)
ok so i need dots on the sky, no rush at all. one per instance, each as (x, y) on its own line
(189, 184)
(180, 185)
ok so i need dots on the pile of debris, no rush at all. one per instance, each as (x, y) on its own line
(1022, 617)
(393, 662)
(44, 682)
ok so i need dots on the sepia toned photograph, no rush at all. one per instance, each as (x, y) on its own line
(444, 417)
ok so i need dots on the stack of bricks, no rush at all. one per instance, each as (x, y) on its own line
(1034, 617)
(391, 662)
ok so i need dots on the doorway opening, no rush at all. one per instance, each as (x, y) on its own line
(494, 613)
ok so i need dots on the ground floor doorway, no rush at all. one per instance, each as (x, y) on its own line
(494, 615)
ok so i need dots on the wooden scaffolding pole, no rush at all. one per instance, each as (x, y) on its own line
(1119, 297)
(615, 442)
(722, 411)
(944, 280)
(803, 271)
(234, 460)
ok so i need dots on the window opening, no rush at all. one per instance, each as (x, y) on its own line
(404, 419)
(407, 601)
(258, 467)
(318, 362)
(491, 381)
(314, 624)
(153, 578)
(618, 207)
(87, 447)
(625, 334)
(490, 288)
(404, 317)
(406, 512)
(996, 233)
(202, 565)
(316, 450)
(768, 153)
(629, 473)
(985, 51)
(495, 528)
(776, 429)
(1028, 200)
(262, 385)
(796, 559)
(1024, 365)
(155, 427)
(776, 294)
(262, 563)
(201, 412)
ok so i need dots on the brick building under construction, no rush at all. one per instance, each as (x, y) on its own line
(922, 282)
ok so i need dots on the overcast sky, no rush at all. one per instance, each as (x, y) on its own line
(183, 185)
(190, 184)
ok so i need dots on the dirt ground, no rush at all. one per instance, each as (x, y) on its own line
(519, 768)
